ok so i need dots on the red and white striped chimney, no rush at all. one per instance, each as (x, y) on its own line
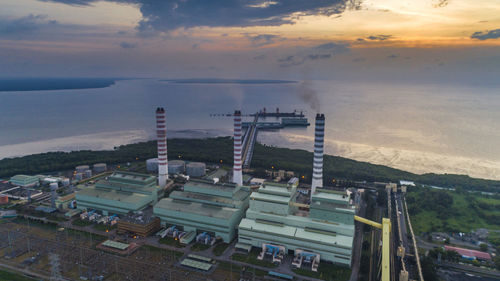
(237, 175)
(161, 133)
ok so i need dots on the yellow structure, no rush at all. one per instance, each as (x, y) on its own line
(385, 226)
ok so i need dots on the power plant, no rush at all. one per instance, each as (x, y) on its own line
(276, 220)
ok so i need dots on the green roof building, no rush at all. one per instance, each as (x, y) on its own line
(119, 193)
(204, 206)
(24, 180)
(275, 218)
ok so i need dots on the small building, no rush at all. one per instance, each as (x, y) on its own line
(141, 223)
(63, 202)
(205, 206)
(120, 193)
(275, 220)
(24, 181)
(469, 254)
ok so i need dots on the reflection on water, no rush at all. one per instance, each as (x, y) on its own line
(420, 128)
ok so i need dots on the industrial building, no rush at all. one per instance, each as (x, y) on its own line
(119, 193)
(205, 206)
(142, 223)
(275, 220)
(24, 181)
(278, 224)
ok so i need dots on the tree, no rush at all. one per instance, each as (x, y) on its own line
(429, 271)
(483, 247)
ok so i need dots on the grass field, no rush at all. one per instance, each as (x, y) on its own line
(327, 271)
(220, 248)
(10, 276)
(466, 212)
(171, 242)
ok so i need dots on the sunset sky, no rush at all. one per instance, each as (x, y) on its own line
(426, 40)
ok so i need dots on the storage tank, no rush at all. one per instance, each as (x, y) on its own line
(65, 182)
(88, 174)
(152, 165)
(4, 199)
(79, 176)
(195, 169)
(100, 167)
(54, 185)
(176, 167)
(82, 168)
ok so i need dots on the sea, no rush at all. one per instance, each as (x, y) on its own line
(420, 128)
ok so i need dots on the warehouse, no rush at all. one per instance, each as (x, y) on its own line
(25, 181)
(205, 206)
(119, 193)
(275, 221)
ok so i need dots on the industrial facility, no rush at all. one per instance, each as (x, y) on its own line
(119, 193)
(205, 206)
(278, 224)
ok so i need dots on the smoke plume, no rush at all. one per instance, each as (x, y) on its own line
(307, 94)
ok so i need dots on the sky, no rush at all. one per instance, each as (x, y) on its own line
(436, 41)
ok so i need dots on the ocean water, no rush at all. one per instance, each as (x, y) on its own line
(415, 127)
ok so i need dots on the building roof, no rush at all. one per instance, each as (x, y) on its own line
(469, 253)
(297, 233)
(270, 198)
(113, 195)
(116, 245)
(195, 208)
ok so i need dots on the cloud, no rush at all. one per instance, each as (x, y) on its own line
(328, 51)
(290, 61)
(128, 45)
(264, 39)
(485, 35)
(19, 27)
(358, 59)
(392, 56)
(260, 57)
(440, 3)
(319, 56)
(166, 15)
(380, 37)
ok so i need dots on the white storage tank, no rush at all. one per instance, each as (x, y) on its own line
(176, 167)
(79, 176)
(88, 173)
(82, 168)
(100, 168)
(195, 169)
(152, 165)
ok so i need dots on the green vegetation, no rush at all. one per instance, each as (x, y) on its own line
(220, 248)
(198, 247)
(327, 271)
(104, 227)
(171, 242)
(219, 150)
(251, 258)
(82, 223)
(451, 211)
(9, 276)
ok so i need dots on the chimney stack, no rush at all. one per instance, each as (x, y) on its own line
(161, 133)
(319, 135)
(237, 175)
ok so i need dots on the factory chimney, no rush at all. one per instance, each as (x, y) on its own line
(319, 135)
(237, 175)
(52, 197)
(161, 133)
